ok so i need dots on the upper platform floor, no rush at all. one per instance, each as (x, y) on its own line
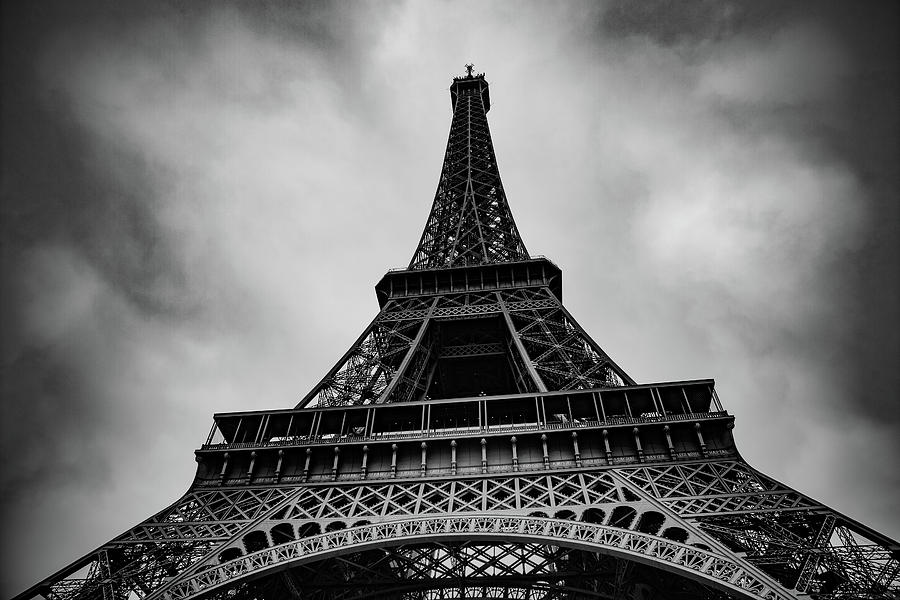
(405, 283)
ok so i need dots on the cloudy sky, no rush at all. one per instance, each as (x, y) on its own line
(197, 199)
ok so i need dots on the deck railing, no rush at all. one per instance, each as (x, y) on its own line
(460, 432)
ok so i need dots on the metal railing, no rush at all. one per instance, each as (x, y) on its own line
(454, 432)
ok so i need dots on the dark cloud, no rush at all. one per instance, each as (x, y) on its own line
(854, 123)
(196, 198)
(85, 211)
(670, 22)
(870, 142)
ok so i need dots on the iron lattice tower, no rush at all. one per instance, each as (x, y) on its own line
(475, 442)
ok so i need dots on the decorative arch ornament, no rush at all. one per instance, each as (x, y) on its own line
(714, 569)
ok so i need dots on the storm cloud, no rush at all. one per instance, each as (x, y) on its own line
(197, 199)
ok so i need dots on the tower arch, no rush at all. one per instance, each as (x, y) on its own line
(706, 568)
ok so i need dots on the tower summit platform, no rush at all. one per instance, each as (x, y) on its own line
(471, 84)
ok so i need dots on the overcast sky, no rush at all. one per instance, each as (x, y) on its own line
(197, 199)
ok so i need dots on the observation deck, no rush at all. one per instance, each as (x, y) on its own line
(535, 272)
(465, 436)
(468, 84)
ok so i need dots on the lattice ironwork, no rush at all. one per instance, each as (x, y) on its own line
(719, 487)
(470, 221)
(474, 570)
(565, 357)
(433, 561)
(807, 547)
(393, 360)
(369, 370)
(656, 503)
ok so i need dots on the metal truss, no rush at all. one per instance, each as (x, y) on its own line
(393, 360)
(369, 370)
(473, 570)
(565, 357)
(470, 221)
(772, 539)
(431, 562)
(806, 546)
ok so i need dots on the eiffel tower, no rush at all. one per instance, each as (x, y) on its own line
(475, 442)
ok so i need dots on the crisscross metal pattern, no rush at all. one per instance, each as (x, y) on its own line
(718, 569)
(799, 544)
(470, 221)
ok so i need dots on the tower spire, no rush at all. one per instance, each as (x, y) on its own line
(470, 221)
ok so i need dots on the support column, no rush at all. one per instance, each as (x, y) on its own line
(666, 429)
(278, 466)
(453, 457)
(700, 438)
(424, 456)
(393, 460)
(250, 468)
(334, 464)
(515, 455)
(575, 447)
(637, 443)
(224, 472)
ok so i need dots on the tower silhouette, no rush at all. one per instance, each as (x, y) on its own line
(476, 442)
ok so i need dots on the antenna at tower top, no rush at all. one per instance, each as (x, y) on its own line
(469, 68)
